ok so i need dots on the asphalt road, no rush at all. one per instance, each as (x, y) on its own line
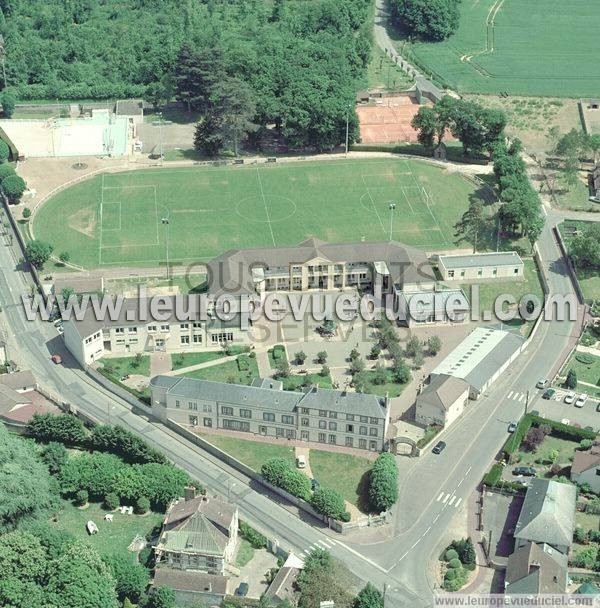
(430, 492)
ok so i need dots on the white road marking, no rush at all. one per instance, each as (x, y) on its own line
(451, 501)
(468, 470)
(440, 497)
(436, 517)
(522, 398)
(458, 502)
(510, 394)
(446, 499)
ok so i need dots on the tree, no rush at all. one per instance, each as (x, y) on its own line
(283, 368)
(6, 170)
(433, 20)
(4, 151)
(360, 381)
(300, 357)
(279, 472)
(236, 109)
(465, 551)
(9, 101)
(161, 597)
(418, 360)
(142, 505)
(401, 372)
(585, 248)
(471, 226)
(369, 597)
(22, 556)
(357, 365)
(81, 498)
(25, 491)
(330, 503)
(124, 443)
(571, 381)
(322, 356)
(208, 137)
(427, 124)
(111, 501)
(324, 372)
(413, 346)
(380, 374)
(130, 577)
(383, 486)
(55, 456)
(26, 213)
(534, 438)
(434, 345)
(38, 253)
(375, 351)
(13, 187)
(64, 256)
(63, 428)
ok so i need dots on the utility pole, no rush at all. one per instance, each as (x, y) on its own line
(526, 403)
(498, 234)
(392, 207)
(347, 126)
(385, 588)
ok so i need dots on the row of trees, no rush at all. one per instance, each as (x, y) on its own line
(570, 149)
(433, 20)
(11, 184)
(476, 127)
(584, 248)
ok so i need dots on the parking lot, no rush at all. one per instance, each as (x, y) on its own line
(556, 409)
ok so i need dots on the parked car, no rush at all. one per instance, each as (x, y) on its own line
(569, 398)
(56, 359)
(598, 406)
(439, 447)
(581, 400)
(314, 485)
(242, 590)
(525, 471)
(542, 383)
(301, 462)
(548, 394)
(512, 427)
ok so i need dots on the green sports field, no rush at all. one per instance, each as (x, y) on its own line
(117, 218)
(523, 47)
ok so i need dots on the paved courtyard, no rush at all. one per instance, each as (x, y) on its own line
(253, 573)
(500, 515)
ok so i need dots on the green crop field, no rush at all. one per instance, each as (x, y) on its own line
(117, 218)
(522, 47)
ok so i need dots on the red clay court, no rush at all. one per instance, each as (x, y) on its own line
(387, 120)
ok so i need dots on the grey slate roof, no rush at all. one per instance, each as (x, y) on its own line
(443, 391)
(536, 568)
(18, 381)
(276, 399)
(548, 513)
(232, 271)
(189, 580)
(481, 260)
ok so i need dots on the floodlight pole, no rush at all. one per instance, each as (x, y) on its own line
(392, 207)
(347, 127)
(165, 221)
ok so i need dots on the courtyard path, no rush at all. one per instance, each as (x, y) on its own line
(193, 368)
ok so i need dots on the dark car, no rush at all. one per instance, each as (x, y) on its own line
(549, 394)
(439, 447)
(242, 590)
(314, 484)
(525, 471)
(598, 406)
(512, 427)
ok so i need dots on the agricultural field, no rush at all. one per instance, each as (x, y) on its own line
(129, 218)
(519, 47)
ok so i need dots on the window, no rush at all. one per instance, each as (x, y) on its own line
(373, 432)
(304, 435)
(362, 430)
(164, 327)
(494, 271)
(304, 421)
(597, 471)
(323, 413)
(480, 272)
(226, 411)
(133, 340)
(236, 425)
(245, 413)
(332, 439)
(349, 428)
(290, 433)
(120, 340)
(349, 442)
(333, 414)
(462, 274)
(287, 419)
(372, 445)
(132, 330)
(451, 274)
(262, 430)
(177, 404)
(279, 432)
(268, 417)
(349, 416)
(185, 339)
(305, 410)
(225, 336)
(362, 444)
(206, 407)
(193, 420)
(196, 339)
(192, 405)
(333, 426)
(321, 438)
(184, 326)
(119, 330)
(373, 420)
(208, 422)
(516, 271)
(151, 327)
(322, 424)
(364, 419)
(196, 325)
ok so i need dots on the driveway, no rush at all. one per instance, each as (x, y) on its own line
(500, 515)
(253, 573)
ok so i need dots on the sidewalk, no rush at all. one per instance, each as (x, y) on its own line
(193, 368)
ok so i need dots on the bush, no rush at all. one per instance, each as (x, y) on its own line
(454, 583)
(450, 555)
(584, 444)
(9, 101)
(63, 428)
(455, 563)
(493, 476)
(13, 187)
(585, 358)
(383, 487)
(571, 381)
(465, 550)
(593, 507)
(586, 558)
(580, 535)
(81, 498)
(4, 151)
(6, 170)
(279, 472)
(119, 441)
(450, 575)
(142, 505)
(256, 539)
(328, 502)
(111, 501)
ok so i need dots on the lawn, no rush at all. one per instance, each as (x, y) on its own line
(541, 459)
(586, 372)
(389, 388)
(489, 291)
(244, 553)
(342, 472)
(122, 366)
(181, 360)
(587, 521)
(384, 74)
(294, 382)
(228, 371)
(116, 218)
(112, 538)
(577, 197)
(251, 453)
(540, 48)
(589, 278)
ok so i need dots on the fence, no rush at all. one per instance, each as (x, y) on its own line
(570, 267)
(119, 391)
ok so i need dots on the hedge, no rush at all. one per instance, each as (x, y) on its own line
(279, 472)
(493, 476)
(514, 441)
(256, 539)
(565, 431)
(330, 503)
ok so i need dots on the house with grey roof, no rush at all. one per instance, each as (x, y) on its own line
(441, 401)
(586, 466)
(199, 533)
(536, 568)
(481, 358)
(480, 266)
(320, 416)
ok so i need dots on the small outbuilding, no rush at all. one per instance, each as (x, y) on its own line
(442, 401)
(479, 266)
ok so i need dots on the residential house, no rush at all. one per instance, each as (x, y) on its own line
(192, 587)
(586, 467)
(282, 587)
(441, 401)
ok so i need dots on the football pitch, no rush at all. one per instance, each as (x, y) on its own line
(128, 218)
(522, 47)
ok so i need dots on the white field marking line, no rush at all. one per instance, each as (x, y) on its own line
(436, 517)
(120, 221)
(468, 471)
(407, 200)
(266, 206)
(129, 187)
(373, 203)
(101, 204)
(156, 213)
(366, 559)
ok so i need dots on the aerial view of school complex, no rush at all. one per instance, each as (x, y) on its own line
(299, 303)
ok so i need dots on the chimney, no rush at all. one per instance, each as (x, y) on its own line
(189, 493)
